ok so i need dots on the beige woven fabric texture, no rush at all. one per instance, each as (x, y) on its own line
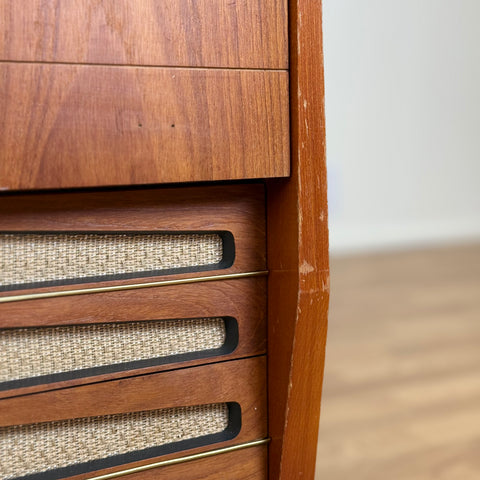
(32, 258)
(31, 352)
(35, 448)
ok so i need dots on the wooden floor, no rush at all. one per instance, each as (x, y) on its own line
(402, 380)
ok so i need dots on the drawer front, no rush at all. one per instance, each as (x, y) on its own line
(81, 126)
(133, 422)
(218, 230)
(244, 33)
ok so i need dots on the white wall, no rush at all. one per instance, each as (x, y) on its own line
(403, 121)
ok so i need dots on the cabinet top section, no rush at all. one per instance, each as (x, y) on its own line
(67, 126)
(183, 33)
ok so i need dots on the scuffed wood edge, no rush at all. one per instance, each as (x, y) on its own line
(298, 261)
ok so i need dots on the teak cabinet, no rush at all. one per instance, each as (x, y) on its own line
(163, 238)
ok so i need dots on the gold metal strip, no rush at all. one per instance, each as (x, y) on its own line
(188, 458)
(116, 288)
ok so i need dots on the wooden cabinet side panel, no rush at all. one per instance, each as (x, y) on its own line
(298, 291)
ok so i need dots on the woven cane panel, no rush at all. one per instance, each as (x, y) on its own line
(28, 449)
(53, 257)
(32, 352)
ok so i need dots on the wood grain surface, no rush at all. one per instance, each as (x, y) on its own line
(242, 299)
(65, 126)
(249, 464)
(298, 290)
(243, 33)
(241, 381)
(237, 209)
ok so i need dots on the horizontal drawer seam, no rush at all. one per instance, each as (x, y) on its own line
(137, 65)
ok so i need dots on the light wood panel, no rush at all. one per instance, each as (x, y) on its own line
(243, 33)
(66, 126)
(299, 279)
(402, 391)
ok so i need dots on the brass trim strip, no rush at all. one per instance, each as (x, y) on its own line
(188, 458)
(116, 288)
